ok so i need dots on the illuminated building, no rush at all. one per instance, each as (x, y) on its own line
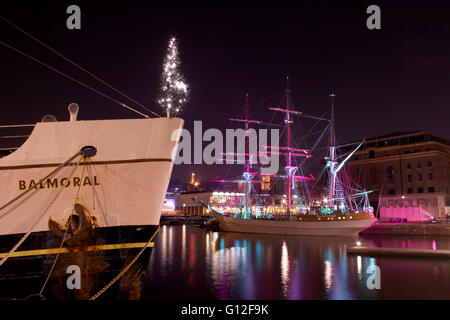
(229, 202)
(169, 207)
(220, 201)
(410, 170)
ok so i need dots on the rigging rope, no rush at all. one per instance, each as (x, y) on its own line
(78, 66)
(68, 224)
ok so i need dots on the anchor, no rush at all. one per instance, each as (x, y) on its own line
(80, 227)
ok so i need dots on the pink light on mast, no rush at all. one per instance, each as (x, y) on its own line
(288, 148)
(246, 121)
(286, 110)
(303, 178)
(292, 154)
(233, 181)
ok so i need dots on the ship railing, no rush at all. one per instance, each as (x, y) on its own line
(15, 137)
(16, 125)
(7, 141)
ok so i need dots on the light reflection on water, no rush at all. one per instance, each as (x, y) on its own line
(188, 262)
(359, 264)
(328, 275)
(284, 268)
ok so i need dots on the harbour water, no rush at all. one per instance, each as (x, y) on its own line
(189, 262)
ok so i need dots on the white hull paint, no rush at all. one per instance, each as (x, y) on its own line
(298, 228)
(127, 178)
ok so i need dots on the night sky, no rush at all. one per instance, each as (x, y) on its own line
(388, 80)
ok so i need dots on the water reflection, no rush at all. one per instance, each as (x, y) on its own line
(163, 242)
(225, 266)
(412, 242)
(183, 246)
(284, 268)
(328, 275)
(359, 265)
(188, 262)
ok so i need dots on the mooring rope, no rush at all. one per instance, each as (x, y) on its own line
(65, 232)
(78, 66)
(126, 268)
(73, 79)
(25, 236)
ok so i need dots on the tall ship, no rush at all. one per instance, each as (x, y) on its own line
(340, 209)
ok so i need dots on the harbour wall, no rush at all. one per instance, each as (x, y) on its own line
(408, 229)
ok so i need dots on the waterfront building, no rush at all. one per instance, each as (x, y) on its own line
(188, 203)
(409, 172)
(168, 208)
(231, 202)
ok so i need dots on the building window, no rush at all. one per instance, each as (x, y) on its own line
(419, 165)
(390, 178)
(373, 175)
(410, 190)
(407, 151)
(429, 164)
(372, 154)
(430, 176)
(391, 191)
(419, 190)
(419, 177)
(409, 178)
(408, 165)
(417, 150)
(431, 189)
(390, 170)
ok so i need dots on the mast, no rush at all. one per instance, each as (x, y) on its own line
(289, 151)
(247, 160)
(288, 122)
(332, 156)
(247, 174)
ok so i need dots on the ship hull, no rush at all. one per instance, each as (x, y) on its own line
(115, 196)
(100, 260)
(298, 228)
